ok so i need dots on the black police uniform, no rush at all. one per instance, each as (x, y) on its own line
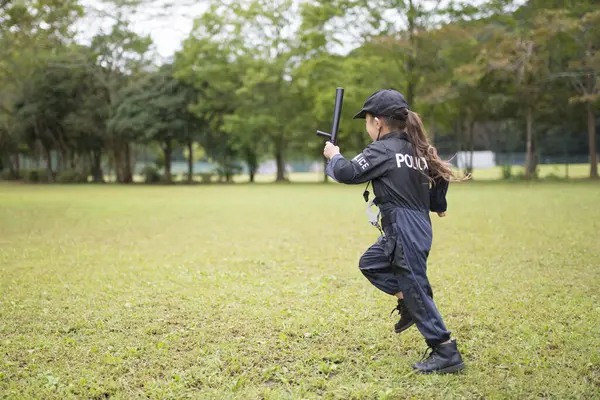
(397, 262)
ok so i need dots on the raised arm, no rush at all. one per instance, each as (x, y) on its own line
(365, 166)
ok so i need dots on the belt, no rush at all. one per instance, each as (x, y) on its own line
(382, 199)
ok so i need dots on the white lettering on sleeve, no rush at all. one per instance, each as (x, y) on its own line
(361, 161)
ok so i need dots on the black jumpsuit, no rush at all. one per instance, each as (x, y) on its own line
(397, 262)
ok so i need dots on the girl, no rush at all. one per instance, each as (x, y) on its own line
(409, 180)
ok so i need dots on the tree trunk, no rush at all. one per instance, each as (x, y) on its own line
(11, 169)
(228, 169)
(279, 161)
(252, 165)
(190, 178)
(168, 152)
(48, 164)
(471, 145)
(17, 165)
(73, 162)
(64, 159)
(116, 162)
(529, 163)
(592, 141)
(110, 164)
(410, 62)
(119, 166)
(97, 175)
(59, 161)
(251, 162)
(458, 125)
(38, 153)
(410, 89)
(127, 172)
(466, 141)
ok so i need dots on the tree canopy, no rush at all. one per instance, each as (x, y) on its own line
(254, 79)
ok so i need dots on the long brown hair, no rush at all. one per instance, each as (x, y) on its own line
(411, 122)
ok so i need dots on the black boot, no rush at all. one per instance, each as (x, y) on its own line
(405, 319)
(444, 359)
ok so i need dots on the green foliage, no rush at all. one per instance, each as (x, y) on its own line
(151, 174)
(35, 175)
(8, 175)
(506, 172)
(255, 79)
(155, 109)
(205, 177)
(71, 176)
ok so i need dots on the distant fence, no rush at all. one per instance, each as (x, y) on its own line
(460, 160)
(179, 167)
(519, 159)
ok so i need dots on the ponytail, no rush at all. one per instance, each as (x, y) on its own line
(404, 119)
(438, 168)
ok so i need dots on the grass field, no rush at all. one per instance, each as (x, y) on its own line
(242, 292)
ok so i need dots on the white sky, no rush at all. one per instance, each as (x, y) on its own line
(168, 28)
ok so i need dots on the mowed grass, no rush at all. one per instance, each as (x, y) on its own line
(253, 292)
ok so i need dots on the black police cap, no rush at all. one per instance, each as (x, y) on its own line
(383, 102)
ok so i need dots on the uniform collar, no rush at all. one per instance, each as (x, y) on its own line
(397, 134)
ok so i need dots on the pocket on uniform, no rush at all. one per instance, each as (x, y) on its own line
(395, 252)
(389, 247)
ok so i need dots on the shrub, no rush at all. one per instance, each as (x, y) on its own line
(36, 176)
(71, 176)
(206, 177)
(7, 175)
(44, 176)
(553, 177)
(163, 179)
(506, 171)
(151, 174)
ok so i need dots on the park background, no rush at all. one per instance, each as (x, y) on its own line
(205, 285)
(88, 96)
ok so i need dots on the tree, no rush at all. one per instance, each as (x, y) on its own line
(155, 108)
(243, 71)
(193, 152)
(519, 58)
(116, 56)
(41, 112)
(583, 69)
(87, 120)
(30, 32)
(212, 68)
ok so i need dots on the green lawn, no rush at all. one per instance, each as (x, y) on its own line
(246, 292)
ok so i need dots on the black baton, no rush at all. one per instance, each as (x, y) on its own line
(337, 111)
